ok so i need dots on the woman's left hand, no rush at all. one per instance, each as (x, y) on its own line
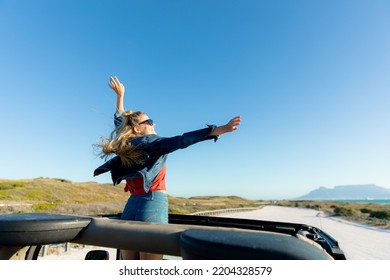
(229, 127)
(232, 124)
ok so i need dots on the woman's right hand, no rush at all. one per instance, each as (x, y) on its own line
(117, 86)
(119, 89)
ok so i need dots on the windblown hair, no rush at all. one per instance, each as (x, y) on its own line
(119, 141)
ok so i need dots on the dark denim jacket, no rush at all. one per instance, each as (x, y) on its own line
(156, 149)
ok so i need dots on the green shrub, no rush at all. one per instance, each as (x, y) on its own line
(62, 180)
(365, 211)
(383, 215)
(342, 211)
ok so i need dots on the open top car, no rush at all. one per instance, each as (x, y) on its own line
(188, 237)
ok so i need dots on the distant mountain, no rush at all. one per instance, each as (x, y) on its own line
(348, 192)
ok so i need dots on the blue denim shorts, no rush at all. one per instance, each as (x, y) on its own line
(151, 207)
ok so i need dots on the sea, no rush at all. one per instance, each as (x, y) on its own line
(374, 201)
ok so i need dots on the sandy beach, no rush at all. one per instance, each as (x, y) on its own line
(358, 241)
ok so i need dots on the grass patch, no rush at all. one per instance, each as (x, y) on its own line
(9, 184)
(44, 207)
(60, 196)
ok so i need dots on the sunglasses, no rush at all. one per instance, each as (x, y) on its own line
(148, 121)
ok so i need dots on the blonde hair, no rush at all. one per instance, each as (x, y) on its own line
(119, 141)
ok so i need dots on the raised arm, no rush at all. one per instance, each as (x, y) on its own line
(119, 89)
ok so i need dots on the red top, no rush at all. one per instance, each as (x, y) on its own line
(136, 186)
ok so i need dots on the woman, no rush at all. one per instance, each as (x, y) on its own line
(140, 160)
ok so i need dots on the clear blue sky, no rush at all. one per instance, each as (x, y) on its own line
(311, 80)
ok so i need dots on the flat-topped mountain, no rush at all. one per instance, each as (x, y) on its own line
(368, 191)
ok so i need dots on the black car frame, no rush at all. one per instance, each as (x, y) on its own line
(188, 237)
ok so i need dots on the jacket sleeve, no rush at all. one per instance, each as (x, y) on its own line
(118, 118)
(165, 145)
(117, 169)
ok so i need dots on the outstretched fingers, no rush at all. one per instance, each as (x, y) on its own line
(114, 82)
(233, 123)
(116, 85)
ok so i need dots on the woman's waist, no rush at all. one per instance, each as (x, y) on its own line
(156, 193)
(163, 191)
(140, 191)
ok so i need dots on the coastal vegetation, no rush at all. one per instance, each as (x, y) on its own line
(61, 196)
(53, 195)
(368, 212)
